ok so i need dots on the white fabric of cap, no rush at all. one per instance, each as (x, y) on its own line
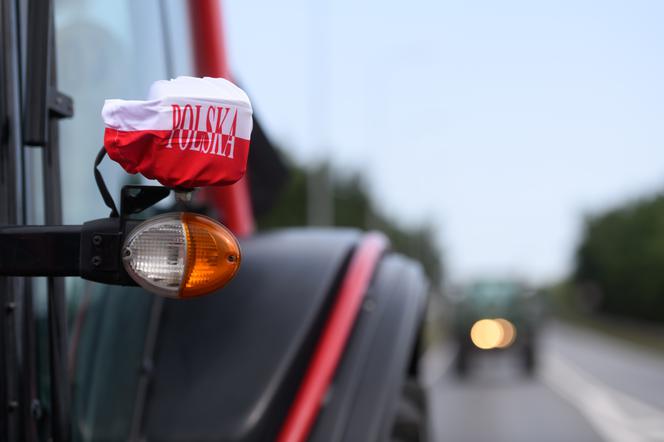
(156, 112)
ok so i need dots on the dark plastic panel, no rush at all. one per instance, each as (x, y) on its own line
(361, 403)
(228, 365)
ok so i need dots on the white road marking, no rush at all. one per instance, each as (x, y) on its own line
(616, 416)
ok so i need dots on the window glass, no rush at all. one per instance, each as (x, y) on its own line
(105, 50)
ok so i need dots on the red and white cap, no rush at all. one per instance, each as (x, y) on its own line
(191, 132)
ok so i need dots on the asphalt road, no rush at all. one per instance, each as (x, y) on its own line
(588, 387)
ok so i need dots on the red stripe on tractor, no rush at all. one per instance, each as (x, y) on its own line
(232, 202)
(332, 343)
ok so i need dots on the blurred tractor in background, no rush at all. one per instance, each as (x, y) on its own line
(496, 316)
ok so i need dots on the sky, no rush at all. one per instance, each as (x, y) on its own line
(500, 123)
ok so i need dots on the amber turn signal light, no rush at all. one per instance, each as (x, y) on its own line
(181, 255)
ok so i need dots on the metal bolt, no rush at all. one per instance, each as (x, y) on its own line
(231, 258)
(10, 307)
(96, 261)
(96, 240)
(183, 196)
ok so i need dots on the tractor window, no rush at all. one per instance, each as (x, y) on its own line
(105, 50)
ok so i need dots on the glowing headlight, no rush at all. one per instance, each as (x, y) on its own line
(493, 333)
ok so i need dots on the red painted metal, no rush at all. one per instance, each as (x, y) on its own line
(332, 343)
(206, 22)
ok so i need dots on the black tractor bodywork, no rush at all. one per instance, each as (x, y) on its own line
(227, 366)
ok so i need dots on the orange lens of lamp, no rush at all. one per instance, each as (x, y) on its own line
(181, 255)
(213, 255)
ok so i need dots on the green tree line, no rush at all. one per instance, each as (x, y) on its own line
(352, 206)
(620, 260)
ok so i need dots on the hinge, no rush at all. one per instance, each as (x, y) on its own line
(60, 105)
